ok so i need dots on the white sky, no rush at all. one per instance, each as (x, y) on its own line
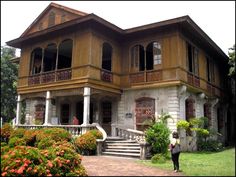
(215, 18)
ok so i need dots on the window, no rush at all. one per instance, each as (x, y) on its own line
(106, 56)
(149, 56)
(36, 61)
(51, 19)
(189, 108)
(137, 57)
(65, 54)
(210, 70)
(50, 56)
(156, 53)
(192, 59)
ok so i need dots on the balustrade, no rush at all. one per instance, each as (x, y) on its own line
(49, 77)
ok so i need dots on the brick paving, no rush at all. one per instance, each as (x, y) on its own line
(119, 166)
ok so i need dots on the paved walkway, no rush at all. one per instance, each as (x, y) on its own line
(119, 166)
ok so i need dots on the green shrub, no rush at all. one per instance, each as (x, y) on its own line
(183, 124)
(158, 137)
(19, 133)
(56, 134)
(45, 143)
(209, 145)
(6, 132)
(86, 143)
(30, 137)
(15, 141)
(96, 133)
(158, 158)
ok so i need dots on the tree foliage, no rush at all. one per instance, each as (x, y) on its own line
(8, 83)
(232, 60)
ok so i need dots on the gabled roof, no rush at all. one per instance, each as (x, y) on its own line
(184, 23)
(50, 6)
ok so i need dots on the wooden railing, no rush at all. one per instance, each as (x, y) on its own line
(193, 80)
(51, 76)
(131, 134)
(106, 75)
(75, 130)
(146, 76)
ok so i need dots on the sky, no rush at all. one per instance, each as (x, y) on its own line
(215, 18)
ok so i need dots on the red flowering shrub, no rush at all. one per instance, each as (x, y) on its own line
(15, 141)
(58, 160)
(19, 132)
(6, 132)
(30, 137)
(86, 143)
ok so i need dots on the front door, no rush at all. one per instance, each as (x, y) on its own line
(106, 116)
(80, 112)
(145, 109)
(65, 114)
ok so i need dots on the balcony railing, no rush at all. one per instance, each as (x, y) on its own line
(49, 77)
(193, 80)
(146, 76)
(106, 76)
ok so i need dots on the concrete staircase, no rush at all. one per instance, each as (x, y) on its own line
(116, 146)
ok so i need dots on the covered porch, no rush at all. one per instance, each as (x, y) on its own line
(58, 107)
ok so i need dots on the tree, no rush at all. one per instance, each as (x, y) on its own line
(232, 60)
(8, 83)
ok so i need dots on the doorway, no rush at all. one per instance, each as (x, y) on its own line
(80, 112)
(65, 114)
(145, 109)
(106, 116)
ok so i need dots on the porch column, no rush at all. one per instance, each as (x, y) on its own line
(48, 98)
(86, 105)
(18, 110)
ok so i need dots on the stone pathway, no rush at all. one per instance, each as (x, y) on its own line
(119, 166)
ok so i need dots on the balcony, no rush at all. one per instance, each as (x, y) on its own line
(193, 80)
(146, 76)
(106, 76)
(49, 77)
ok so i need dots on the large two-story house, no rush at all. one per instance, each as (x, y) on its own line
(78, 64)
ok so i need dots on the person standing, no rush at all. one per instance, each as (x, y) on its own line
(175, 150)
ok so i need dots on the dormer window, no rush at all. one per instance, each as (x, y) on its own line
(51, 19)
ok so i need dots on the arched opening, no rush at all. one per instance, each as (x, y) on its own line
(144, 111)
(137, 58)
(149, 56)
(50, 56)
(189, 108)
(207, 112)
(36, 60)
(106, 56)
(65, 54)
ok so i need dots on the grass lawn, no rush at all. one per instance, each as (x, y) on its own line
(203, 163)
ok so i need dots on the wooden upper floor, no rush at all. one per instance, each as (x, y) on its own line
(87, 50)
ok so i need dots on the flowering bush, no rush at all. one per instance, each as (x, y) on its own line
(15, 141)
(56, 134)
(6, 132)
(96, 133)
(59, 160)
(45, 143)
(19, 132)
(86, 143)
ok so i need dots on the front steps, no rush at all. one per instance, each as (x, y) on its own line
(115, 146)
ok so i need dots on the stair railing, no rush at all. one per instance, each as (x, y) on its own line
(131, 134)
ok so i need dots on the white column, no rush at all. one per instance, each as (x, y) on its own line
(86, 105)
(47, 108)
(18, 110)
